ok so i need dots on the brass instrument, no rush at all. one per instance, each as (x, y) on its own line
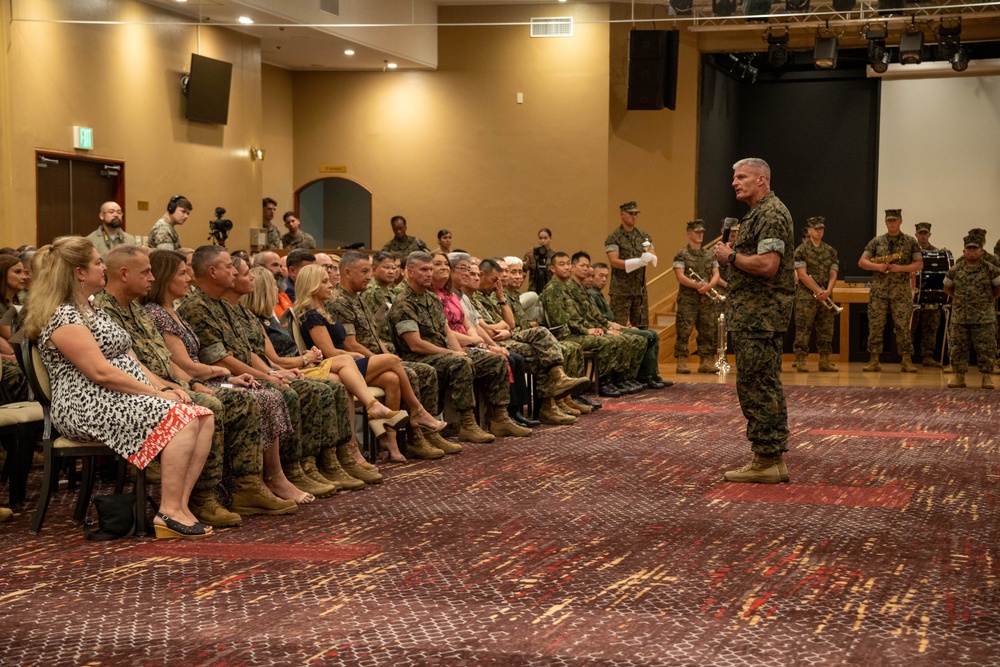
(713, 294)
(887, 259)
(721, 362)
(828, 302)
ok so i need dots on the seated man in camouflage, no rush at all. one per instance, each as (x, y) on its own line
(538, 346)
(420, 333)
(348, 308)
(572, 318)
(380, 292)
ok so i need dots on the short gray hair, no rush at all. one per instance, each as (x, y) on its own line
(513, 261)
(756, 164)
(455, 257)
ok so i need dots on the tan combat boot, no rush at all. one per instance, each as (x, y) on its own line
(931, 362)
(437, 441)
(987, 382)
(957, 382)
(502, 425)
(253, 497)
(313, 473)
(550, 414)
(331, 470)
(782, 468)
(562, 383)
(469, 431)
(303, 482)
(345, 456)
(205, 505)
(873, 364)
(800, 364)
(825, 365)
(707, 366)
(579, 407)
(682, 366)
(906, 366)
(418, 447)
(761, 470)
(6, 514)
(566, 407)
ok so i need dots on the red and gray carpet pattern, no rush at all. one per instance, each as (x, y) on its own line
(612, 542)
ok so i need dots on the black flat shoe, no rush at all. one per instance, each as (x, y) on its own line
(586, 400)
(519, 418)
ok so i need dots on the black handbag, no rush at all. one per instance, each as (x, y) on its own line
(115, 517)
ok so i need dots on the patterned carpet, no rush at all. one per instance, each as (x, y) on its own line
(614, 542)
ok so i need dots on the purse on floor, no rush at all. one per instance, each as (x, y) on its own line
(115, 517)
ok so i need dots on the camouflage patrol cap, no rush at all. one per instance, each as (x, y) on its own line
(893, 213)
(629, 207)
(979, 233)
(973, 242)
(816, 222)
(923, 226)
(696, 225)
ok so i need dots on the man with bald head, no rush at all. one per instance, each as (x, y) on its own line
(272, 262)
(110, 233)
(332, 265)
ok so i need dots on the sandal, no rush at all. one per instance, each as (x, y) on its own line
(438, 424)
(176, 529)
(388, 457)
(392, 418)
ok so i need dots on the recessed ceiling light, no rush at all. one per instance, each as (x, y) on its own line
(349, 52)
(245, 20)
(391, 65)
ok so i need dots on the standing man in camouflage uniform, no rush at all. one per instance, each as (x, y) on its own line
(892, 257)
(273, 235)
(350, 310)
(400, 244)
(925, 320)
(420, 332)
(974, 286)
(758, 310)
(695, 308)
(296, 238)
(163, 235)
(629, 250)
(816, 265)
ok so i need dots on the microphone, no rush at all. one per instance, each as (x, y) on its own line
(727, 226)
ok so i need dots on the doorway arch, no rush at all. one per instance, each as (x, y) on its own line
(336, 211)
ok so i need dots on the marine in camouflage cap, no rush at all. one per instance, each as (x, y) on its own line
(697, 225)
(893, 213)
(923, 227)
(629, 207)
(816, 222)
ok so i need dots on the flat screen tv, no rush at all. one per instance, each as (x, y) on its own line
(207, 90)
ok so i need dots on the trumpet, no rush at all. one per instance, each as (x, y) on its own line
(828, 302)
(713, 294)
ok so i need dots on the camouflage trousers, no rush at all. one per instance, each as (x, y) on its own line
(697, 315)
(211, 472)
(631, 308)
(573, 361)
(319, 415)
(900, 303)
(458, 373)
(758, 385)
(244, 448)
(979, 337)
(811, 315)
(927, 323)
(613, 354)
(649, 365)
(541, 353)
(424, 380)
(13, 385)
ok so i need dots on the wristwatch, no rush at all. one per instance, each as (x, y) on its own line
(732, 258)
(501, 303)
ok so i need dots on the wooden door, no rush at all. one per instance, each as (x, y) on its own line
(70, 191)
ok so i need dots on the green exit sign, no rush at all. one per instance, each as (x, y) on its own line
(83, 137)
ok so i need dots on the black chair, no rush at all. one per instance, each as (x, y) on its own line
(19, 420)
(57, 450)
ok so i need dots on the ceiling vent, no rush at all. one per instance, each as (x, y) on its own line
(552, 26)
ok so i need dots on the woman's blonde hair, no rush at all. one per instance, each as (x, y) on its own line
(307, 283)
(54, 280)
(264, 297)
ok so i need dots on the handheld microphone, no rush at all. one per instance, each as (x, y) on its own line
(727, 226)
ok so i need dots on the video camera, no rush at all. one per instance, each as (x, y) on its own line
(220, 227)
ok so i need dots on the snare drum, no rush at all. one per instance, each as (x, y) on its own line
(930, 280)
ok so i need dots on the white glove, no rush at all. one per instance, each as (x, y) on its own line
(648, 258)
(633, 264)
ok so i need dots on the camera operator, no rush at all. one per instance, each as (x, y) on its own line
(218, 229)
(163, 235)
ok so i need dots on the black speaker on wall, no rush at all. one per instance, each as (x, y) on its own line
(652, 69)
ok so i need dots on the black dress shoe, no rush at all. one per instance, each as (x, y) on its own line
(653, 384)
(610, 390)
(631, 386)
(594, 405)
(519, 418)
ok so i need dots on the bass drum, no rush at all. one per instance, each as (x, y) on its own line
(930, 280)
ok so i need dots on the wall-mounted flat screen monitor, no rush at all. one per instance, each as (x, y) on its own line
(207, 90)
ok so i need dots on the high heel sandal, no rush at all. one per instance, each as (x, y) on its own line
(174, 528)
(389, 458)
(438, 425)
(392, 419)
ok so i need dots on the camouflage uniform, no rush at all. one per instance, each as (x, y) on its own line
(402, 249)
(13, 384)
(973, 314)
(273, 238)
(424, 314)
(891, 291)
(163, 233)
(104, 242)
(350, 310)
(304, 240)
(927, 321)
(573, 361)
(695, 311)
(379, 299)
(536, 267)
(649, 367)
(629, 299)
(758, 311)
(151, 351)
(810, 314)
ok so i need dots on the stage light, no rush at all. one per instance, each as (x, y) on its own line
(844, 5)
(949, 34)
(825, 52)
(681, 6)
(878, 55)
(777, 48)
(960, 61)
(757, 10)
(887, 7)
(796, 5)
(723, 8)
(911, 47)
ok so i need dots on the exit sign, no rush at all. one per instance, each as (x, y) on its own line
(83, 137)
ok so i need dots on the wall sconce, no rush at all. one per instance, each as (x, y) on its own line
(256, 154)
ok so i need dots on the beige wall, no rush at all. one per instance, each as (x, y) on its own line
(124, 81)
(276, 84)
